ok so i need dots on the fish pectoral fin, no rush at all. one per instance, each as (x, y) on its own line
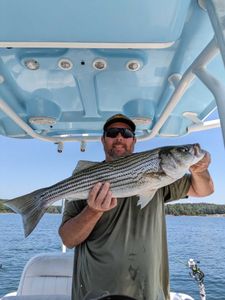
(84, 164)
(72, 198)
(145, 198)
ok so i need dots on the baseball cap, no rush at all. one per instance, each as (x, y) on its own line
(119, 118)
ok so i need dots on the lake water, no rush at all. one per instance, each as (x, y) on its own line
(201, 238)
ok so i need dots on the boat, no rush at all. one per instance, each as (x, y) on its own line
(66, 67)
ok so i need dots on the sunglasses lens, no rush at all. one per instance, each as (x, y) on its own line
(127, 133)
(113, 132)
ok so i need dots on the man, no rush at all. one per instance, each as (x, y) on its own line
(121, 248)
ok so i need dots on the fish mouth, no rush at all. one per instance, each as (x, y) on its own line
(198, 152)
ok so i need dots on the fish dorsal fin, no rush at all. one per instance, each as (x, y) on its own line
(84, 164)
(145, 198)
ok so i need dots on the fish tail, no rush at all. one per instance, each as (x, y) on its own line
(30, 207)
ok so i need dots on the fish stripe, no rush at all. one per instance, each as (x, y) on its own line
(85, 182)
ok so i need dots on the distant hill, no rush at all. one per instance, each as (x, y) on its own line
(195, 209)
(181, 209)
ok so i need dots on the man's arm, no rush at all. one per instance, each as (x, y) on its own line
(201, 181)
(76, 230)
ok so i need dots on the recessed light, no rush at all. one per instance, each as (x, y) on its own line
(32, 64)
(42, 120)
(65, 64)
(133, 65)
(142, 120)
(99, 64)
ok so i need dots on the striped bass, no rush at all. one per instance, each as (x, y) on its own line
(139, 174)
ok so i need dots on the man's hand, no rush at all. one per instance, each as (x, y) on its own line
(202, 165)
(201, 181)
(77, 229)
(100, 198)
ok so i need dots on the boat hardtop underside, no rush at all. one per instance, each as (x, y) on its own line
(158, 62)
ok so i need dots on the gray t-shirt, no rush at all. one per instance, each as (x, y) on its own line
(126, 253)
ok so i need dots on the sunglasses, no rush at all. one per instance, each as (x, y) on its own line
(113, 132)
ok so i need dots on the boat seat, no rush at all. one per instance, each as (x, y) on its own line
(49, 277)
(47, 274)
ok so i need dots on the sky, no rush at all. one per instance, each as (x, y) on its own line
(27, 164)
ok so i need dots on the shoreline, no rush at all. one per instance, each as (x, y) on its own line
(209, 215)
(206, 215)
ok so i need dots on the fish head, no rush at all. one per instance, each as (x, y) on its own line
(176, 160)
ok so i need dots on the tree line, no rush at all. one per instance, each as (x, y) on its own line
(194, 209)
(179, 209)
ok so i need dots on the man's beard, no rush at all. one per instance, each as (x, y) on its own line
(113, 152)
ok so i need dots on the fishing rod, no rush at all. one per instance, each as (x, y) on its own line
(198, 275)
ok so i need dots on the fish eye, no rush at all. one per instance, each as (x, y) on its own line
(184, 149)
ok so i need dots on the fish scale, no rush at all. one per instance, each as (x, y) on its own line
(112, 177)
(73, 184)
(136, 174)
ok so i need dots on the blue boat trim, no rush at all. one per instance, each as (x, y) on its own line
(58, 90)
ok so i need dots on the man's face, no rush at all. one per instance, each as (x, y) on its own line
(118, 146)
